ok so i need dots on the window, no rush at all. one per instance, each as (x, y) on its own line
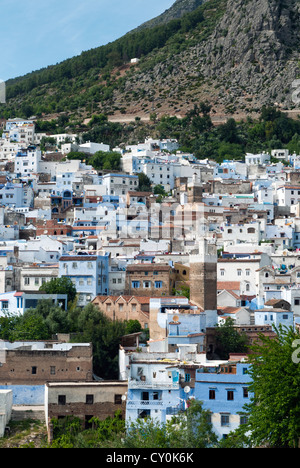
(285, 316)
(239, 272)
(224, 419)
(245, 392)
(230, 395)
(135, 284)
(34, 370)
(74, 265)
(26, 281)
(247, 272)
(222, 272)
(243, 419)
(212, 394)
(187, 377)
(62, 399)
(52, 370)
(147, 284)
(118, 399)
(89, 399)
(158, 284)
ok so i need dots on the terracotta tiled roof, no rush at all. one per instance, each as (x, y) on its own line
(228, 285)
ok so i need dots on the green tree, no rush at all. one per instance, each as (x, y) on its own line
(133, 326)
(189, 429)
(61, 285)
(31, 326)
(7, 324)
(94, 327)
(274, 410)
(144, 183)
(229, 340)
(110, 161)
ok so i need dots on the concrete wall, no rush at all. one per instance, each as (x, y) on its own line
(6, 401)
(29, 395)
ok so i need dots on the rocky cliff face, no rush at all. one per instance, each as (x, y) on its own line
(250, 58)
(177, 10)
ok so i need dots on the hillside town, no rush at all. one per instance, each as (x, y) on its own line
(209, 243)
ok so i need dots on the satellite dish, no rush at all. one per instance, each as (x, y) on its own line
(175, 318)
(123, 397)
(187, 389)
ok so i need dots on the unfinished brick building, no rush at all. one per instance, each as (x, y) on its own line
(149, 280)
(125, 308)
(84, 401)
(35, 363)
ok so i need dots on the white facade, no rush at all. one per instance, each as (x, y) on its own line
(27, 161)
(288, 195)
(6, 402)
(234, 233)
(92, 148)
(240, 270)
(262, 158)
(120, 184)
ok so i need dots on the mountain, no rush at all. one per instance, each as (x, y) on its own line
(176, 11)
(234, 54)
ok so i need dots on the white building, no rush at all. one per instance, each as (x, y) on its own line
(242, 270)
(262, 158)
(120, 184)
(27, 161)
(237, 233)
(287, 195)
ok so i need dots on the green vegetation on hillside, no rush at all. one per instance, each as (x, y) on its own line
(86, 81)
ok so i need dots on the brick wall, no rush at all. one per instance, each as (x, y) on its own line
(37, 367)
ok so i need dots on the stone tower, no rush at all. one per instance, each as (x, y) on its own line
(203, 279)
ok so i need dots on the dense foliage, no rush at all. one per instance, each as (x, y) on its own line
(229, 340)
(274, 411)
(189, 429)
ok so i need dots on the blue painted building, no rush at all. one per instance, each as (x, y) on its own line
(224, 391)
(153, 390)
(89, 274)
(274, 317)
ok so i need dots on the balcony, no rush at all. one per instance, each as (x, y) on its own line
(133, 384)
(145, 404)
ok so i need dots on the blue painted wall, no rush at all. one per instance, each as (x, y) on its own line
(26, 394)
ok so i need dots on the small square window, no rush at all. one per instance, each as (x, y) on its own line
(89, 399)
(62, 399)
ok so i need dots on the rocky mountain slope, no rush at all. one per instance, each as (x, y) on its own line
(177, 10)
(235, 54)
(250, 58)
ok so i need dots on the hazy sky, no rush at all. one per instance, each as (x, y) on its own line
(38, 33)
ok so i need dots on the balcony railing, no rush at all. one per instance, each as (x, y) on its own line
(150, 404)
(149, 384)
